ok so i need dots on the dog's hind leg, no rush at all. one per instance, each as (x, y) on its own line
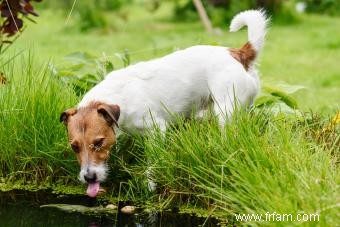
(224, 100)
(223, 110)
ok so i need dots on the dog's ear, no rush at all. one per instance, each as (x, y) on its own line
(110, 113)
(66, 114)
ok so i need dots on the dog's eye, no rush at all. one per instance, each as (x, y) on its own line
(98, 143)
(75, 148)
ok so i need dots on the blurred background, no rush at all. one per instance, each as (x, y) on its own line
(302, 47)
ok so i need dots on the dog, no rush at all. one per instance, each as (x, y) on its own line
(141, 95)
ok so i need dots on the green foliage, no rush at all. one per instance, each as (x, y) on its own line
(278, 97)
(305, 49)
(222, 13)
(331, 7)
(184, 11)
(90, 16)
(33, 143)
(101, 4)
(83, 70)
(258, 163)
(113, 5)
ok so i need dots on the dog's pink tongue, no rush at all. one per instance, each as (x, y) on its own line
(92, 189)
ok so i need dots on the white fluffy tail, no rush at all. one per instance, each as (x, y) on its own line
(257, 22)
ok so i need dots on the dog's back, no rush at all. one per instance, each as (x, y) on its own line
(184, 78)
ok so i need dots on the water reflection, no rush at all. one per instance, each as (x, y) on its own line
(23, 209)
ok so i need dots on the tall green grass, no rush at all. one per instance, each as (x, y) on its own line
(259, 163)
(33, 144)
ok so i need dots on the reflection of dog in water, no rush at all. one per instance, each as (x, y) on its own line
(140, 95)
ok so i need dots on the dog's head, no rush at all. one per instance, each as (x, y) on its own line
(91, 135)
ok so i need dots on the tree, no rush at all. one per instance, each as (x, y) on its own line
(203, 15)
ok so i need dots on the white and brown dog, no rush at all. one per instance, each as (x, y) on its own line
(140, 95)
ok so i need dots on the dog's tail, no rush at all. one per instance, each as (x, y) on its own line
(257, 22)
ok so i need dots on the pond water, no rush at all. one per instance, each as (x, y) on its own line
(20, 208)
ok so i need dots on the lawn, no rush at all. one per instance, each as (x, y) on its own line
(259, 163)
(305, 53)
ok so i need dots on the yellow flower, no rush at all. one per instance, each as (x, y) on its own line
(333, 123)
(336, 119)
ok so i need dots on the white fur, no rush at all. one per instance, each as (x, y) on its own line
(256, 21)
(100, 170)
(146, 92)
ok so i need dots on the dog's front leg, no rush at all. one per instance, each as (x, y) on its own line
(161, 126)
(152, 186)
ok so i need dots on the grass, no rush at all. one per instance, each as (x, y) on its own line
(33, 144)
(303, 53)
(259, 163)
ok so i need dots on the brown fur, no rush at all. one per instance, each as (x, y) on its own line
(245, 55)
(86, 127)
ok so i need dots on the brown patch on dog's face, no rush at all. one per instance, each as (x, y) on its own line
(245, 55)
(91, 135)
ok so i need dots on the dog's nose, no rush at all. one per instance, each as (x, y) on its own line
(90, 177)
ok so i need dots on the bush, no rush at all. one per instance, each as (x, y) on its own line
(100, 4)
(222, 11)
(113, 4)
(331, 7)
(90, 16)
